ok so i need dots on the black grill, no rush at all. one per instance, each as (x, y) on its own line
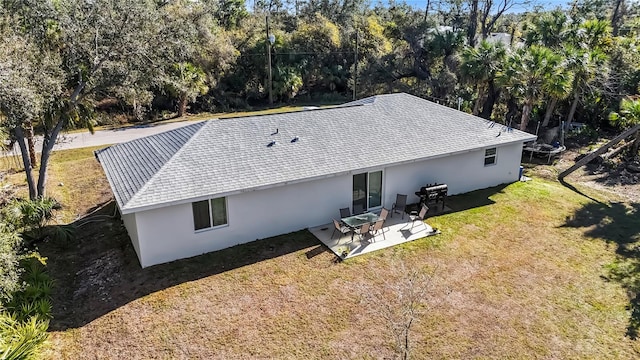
(433, 196)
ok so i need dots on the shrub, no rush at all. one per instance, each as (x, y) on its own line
(34, 298)
(10, 270)
(21, 339)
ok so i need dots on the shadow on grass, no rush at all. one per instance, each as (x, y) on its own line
(574, 189)
(473, 199)
(100, 272)
(617, 224)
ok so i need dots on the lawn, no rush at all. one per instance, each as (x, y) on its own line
(519, 271)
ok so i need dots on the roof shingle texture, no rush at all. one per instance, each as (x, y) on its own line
(229, 155)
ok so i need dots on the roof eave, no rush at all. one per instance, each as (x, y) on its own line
(124, 210)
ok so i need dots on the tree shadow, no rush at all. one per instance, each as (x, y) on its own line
(617, 224)
(100, 271)
(574, 189)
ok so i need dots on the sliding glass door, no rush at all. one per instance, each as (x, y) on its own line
(375, 189)
(367, 191)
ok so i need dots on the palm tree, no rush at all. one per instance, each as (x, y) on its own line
(479, 66)
(629, 115)
(585, 65)
(527, 74)
(548, 29)
(587, 59)
(188, 81)
(557, 88)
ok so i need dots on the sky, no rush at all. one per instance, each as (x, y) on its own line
(547, 4)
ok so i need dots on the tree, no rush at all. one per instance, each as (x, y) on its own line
(480, 66)
(30, 80)
(526, 75)
(186, 81)
(557, 88)
(404, 298)
(585, 65)
(628, 116)
(105, 45)
(492, 10)
(550, 29)
(318, 42)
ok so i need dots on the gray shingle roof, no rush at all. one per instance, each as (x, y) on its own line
(220, 157)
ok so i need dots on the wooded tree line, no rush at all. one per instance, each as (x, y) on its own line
(64, 62)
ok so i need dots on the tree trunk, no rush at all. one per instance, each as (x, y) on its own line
(492, 97)
(426, 10)
(473, 23)
(615, 18)
(476, 106)
(526, 112)
(550, 108)
(572, 112)
(182, 105)
(27, 163)
(585, 160)
(31, 144)
(636, 144)
(47, 146)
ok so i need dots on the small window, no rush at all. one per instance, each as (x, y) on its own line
(489, 156)
(209, 213)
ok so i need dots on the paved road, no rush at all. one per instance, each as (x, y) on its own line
(106, 137)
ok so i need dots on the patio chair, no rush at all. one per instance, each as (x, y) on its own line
(400, 205)
(377, 227)
(345, 212)
(339, 228)
(358, 209)
(383, 214)
(363, 231)
(418, 216)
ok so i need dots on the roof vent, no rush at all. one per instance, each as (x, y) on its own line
(295, 139)
(271, 144)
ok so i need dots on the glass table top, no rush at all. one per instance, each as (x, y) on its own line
(356, 221)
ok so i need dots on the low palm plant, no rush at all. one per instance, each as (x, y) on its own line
(21, 340)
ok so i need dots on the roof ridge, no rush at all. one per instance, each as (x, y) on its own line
(182, 149)
(328, 107)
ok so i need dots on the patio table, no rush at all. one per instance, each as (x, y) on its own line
(357, 221)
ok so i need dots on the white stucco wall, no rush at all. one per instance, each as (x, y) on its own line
(167, 234)
(462, 173)
(129, 221)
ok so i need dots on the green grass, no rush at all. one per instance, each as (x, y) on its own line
(521, 271)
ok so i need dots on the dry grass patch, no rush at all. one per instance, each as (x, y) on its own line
(77, 181)
(514, 279)
(520, 272)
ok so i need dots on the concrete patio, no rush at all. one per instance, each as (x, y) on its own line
(396, 231)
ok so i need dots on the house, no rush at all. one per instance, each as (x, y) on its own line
(218, 183)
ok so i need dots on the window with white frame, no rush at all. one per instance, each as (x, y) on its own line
(490, 156)
(209, 213)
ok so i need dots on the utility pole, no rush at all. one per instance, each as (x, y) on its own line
(355, 74)
(269, 63)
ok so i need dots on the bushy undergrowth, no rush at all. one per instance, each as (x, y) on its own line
(24, 319)
(25, 285)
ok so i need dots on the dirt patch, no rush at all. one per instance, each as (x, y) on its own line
(604, 175)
